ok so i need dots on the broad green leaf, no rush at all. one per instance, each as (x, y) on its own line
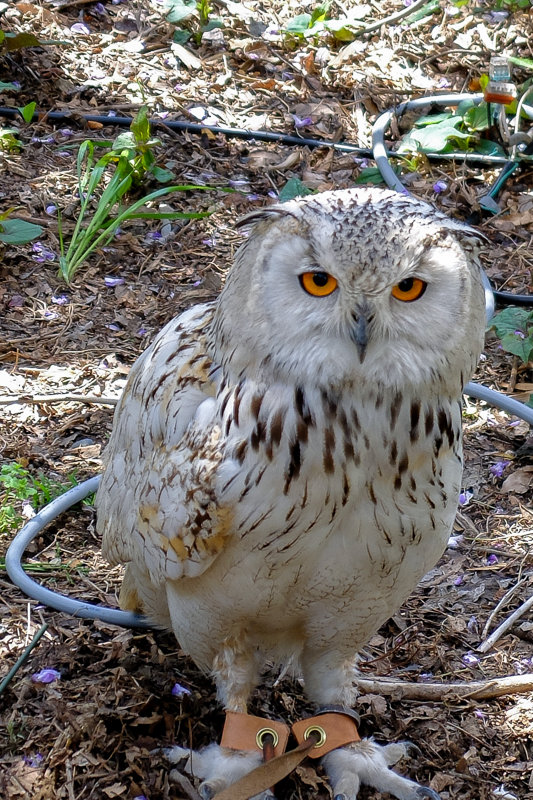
(18, 41)
(370, 175)
(124, 141)
(162, 175)
(477, 117)
(432, 119)
(511, 319)
(180, 9)
(181, 36)
(293, 188)
(17, 231)
(299, 24)
(212, 24)
(339, 30)
(437, 138)
(523, 348)
(488, 148)
(28, 111)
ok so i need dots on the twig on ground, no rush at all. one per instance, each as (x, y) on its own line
(474, 690)
(508, 594)
(90, 399)
(506, 624)
(20, 661)
(185, 785)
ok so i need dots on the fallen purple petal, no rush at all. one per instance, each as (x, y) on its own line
(80, 27)
(440, 186)
(301, 123)
(109, 281)
(60, 299)
(179, 691)
(498, 468)
(33, 761)
(465, 497)
(46, 676)
(17, 301)
(51, 209)
(492, 559)
(479, 713)
(459, 580)
(114, 327)
(470, 660)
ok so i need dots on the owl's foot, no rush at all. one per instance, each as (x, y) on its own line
(217, 767)
(366, 762)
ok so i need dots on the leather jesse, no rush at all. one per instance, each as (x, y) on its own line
(246, 732)
(334, 729)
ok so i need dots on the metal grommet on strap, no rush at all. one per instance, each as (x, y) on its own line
(331, 728)
(263, 735)
(246, 732)
(321, 735)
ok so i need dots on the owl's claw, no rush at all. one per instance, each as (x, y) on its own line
(425, 791)
(365, 762)
(217, 767)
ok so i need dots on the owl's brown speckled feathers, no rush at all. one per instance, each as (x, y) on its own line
(285, 462)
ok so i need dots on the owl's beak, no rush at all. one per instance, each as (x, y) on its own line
(359, 331)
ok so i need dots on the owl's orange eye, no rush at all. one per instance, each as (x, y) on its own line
(409, 289)
(318, 284)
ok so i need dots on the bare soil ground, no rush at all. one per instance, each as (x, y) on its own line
(96, 731)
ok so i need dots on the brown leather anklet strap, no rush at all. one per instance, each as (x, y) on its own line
(335, 728)
(246, 732)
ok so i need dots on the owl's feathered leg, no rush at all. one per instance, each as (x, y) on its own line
(330, 682)
(236, 673)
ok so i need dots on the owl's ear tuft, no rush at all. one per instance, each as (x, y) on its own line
(268, 214)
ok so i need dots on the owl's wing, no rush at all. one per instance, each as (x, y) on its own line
(156, 502)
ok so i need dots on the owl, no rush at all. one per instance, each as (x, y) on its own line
(285, 461)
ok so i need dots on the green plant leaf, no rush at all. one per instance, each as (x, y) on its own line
(162, 175)
(17, 231)
(370, 175)
(525, 63)
(27, 111)
(293, 188)
(523, 348)
(432, 119)
(180, 9)
(124, 141)
(140, 126)
(299, 24)
(425, 11)
(212, 24)
(18, 41)
(339, 29)
(435, 138)
(13, 86)
(488, 148)
(181, 36)
(477, 118)
(511, 319)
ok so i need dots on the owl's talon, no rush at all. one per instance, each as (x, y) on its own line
(366, 762)
(425, 791)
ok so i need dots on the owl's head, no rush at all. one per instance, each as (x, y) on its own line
(353, 286)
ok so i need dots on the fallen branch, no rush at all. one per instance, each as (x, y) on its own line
(90, 399)
(506, 624)
(473, 690)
